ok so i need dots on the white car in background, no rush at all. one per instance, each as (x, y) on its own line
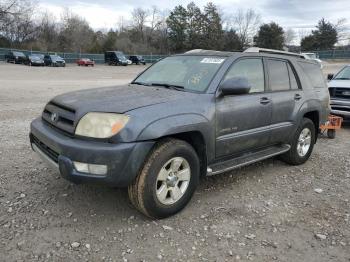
(313, 56)
(339, 90)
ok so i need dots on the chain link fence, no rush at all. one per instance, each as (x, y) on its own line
(73, 57)
(99, 58)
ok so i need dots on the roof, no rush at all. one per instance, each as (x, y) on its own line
(209, 52)
(249, 50)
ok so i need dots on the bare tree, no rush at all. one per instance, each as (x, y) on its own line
(342, 30)
(16, 20)
(302, 33)
(48, 31)
(289, 36)
(139, 19)
(76, 34)
(246, 24)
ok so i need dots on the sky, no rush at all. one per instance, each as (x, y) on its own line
(300, 15)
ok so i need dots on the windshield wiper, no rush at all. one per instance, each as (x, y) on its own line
(342, 78)
(170, 86)
(141, 83)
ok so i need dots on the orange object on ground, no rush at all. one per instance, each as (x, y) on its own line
(333, 123)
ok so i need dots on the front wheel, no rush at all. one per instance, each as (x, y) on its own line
(167, 180)
(302, 144)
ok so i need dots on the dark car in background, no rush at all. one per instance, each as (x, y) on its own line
(137, 59)
(115, 58)
(15, 57)
(35, 60)
(54, 60)
(339, 90)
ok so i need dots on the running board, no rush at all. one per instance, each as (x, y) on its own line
(246, 159)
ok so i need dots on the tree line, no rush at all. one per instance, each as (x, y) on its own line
(154, 31)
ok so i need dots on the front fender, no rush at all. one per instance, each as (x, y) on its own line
(175, 124)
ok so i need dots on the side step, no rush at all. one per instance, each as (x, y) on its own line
(246, 159)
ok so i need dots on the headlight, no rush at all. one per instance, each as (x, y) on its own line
(101, 125)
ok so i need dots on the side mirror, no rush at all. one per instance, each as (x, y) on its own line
(235, 86)
(330, 76)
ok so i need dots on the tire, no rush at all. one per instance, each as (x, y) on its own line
(143, 190)
(331, 133)
(293, 157)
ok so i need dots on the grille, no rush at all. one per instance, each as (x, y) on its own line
(341, 108)
(339, 92)
(47, 150)
(61, 117)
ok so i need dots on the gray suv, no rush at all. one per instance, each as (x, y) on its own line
(187, 116)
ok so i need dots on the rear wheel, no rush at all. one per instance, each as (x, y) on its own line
(302, 144)
(167, 180)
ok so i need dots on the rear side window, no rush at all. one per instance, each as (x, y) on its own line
(314, 74)
(278, 75)
(252, 69)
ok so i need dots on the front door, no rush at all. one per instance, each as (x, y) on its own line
(242, 121)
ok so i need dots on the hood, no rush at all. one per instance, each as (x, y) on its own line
(118, 99)
(339, 83)
(35, 59)
(57, 60)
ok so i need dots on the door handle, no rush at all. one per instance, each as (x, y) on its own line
(264, 100)
(297, 97)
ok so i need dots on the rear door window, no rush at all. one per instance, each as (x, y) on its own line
(292, 78)
(278, 75)
(314, 74)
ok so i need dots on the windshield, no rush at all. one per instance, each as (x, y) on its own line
(192, 73)
(56, 57)
(311, 56)
(121, 57)
(34, 57)
(344, 74)
(18, 54)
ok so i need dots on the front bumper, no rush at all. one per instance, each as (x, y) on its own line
(37, 63)
(123, 160)
(340, 107)
(59, 64)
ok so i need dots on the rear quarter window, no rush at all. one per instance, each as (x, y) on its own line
(314, 74)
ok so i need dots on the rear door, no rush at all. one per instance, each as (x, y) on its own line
(286, 98)
(242, 121)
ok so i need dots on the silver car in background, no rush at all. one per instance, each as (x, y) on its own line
(339, 90)
(314, 57)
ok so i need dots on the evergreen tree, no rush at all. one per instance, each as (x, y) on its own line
(213, 32)
(195, 26)
(177, 24)
(270, 36)
(231, 41)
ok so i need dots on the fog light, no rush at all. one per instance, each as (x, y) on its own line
(90, 168)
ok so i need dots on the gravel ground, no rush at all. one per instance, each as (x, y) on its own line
(265, 212)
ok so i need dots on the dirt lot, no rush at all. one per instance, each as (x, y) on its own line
(265, 212)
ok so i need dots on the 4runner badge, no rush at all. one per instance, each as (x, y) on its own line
(54, 117)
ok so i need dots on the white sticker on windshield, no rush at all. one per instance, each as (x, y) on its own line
(212, 60)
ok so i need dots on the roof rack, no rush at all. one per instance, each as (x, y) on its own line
(272, 51)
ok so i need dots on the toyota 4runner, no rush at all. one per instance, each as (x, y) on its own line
(187, 116)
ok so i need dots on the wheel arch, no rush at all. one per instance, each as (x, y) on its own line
(314, 116)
